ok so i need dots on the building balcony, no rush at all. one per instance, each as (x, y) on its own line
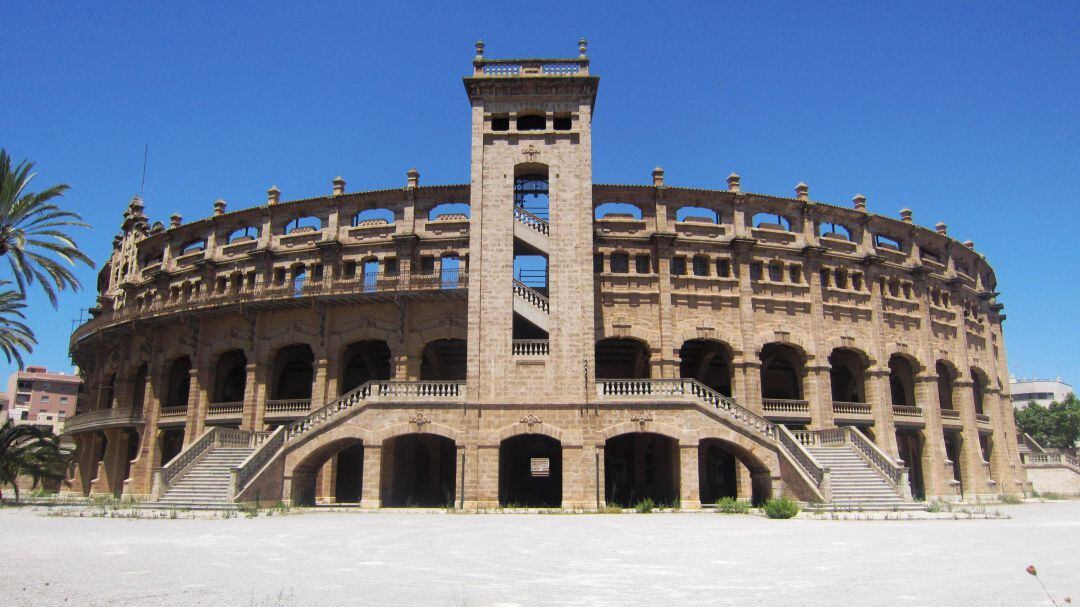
(171, 416)
(852, 412)
(287, 408)
(786, 410)
(225, 411)
(983, 421)
(950, 418)
(105, 418)
(908, 415)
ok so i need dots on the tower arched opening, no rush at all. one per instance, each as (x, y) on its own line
(294, 373)
(364, 361)
(639, 466)
(622, 358)
(444, 360)
(418, 471)
(530, 472)
(708, 361)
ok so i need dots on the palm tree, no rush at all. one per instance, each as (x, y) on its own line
(14, 334)
(27, 450)
(32, 231)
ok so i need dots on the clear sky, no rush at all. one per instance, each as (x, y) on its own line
(966, 112)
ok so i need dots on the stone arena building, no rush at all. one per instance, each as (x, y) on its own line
(533, 339)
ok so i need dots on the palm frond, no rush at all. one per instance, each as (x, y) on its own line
(34, 232)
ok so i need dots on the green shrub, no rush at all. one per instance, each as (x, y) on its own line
(730, 505)
(645, 506)
(780, 507)
(1011, 499)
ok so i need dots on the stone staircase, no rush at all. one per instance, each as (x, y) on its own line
(206, 483)
(855, 484)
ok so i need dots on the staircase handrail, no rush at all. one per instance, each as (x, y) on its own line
(886, 465)
(1032, 443)
(186, 457)
(528, 219)
(733, 408)
(531, 295)
(266, 444)
(330, 409)
(794, 447)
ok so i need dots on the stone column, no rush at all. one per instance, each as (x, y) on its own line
(487, 494)
(576, 477)
(598, 484)
(467, 477)
(372, 481)
(251, 396)
(318, 389)
(937, 477)
(142, 468)
(881, 408)
(105, 483)
(261, 394)
(85, 468)
(193, 425)
(971, 457)
(819, 394)
(689, 485)
(326, 482)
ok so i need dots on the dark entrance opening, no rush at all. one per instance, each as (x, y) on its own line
(364, 361)
(953, 446)
(707, 361)
(172, 442)
(622, 358)
(718, 472)
(909, 445)
(443, 360)
(640, 466)
(349, 480)
(418, 471)
(530, 472)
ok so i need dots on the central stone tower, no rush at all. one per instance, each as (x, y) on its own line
(531, 282)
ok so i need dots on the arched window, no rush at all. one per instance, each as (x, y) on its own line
(243, 234)
(193, 246)
(450, 271)
(834, 230)
(771, 221)
(617, 210)
(885, 242)
(373, 216)
(531, 194)
(697, 214)
(303, 224)
(449, 210)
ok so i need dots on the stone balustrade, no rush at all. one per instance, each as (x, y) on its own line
(104, 418)
(530, 347)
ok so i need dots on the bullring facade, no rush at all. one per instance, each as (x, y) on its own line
(534, 339)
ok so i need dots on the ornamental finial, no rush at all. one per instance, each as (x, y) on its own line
(582, 46)
(479, 49)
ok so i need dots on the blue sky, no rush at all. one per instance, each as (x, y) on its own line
(967, 112)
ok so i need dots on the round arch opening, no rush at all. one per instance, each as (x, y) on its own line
(530, 472)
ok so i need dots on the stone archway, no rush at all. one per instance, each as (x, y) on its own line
(418, 471)
(639, 466)
(530, 471)
(343, 461)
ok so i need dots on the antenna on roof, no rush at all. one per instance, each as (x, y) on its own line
(146, 155)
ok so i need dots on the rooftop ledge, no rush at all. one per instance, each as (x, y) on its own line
(515, 68)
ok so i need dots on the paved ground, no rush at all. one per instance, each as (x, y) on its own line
(328, 558)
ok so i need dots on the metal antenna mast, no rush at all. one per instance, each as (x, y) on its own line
(146, 155)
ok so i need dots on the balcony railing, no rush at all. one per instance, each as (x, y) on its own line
(784, 405)
(530, 347)
(951, 414)
(104, 418)
(848, 408)
(307, 287)
(228, 408)
(288, 405)
(982, 418)
(167, 412)
(495, 68)
(907, 411)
